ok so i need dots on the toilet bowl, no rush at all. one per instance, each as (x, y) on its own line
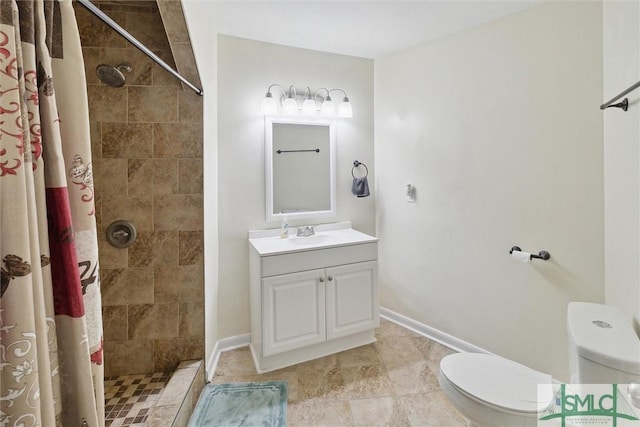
(490, 390)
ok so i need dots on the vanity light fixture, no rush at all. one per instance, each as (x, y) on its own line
(289, 105)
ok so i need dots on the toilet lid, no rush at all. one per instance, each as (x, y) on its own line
(498, 381)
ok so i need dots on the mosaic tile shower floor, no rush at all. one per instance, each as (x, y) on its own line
(129, 398)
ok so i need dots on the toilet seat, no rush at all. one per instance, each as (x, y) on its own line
(497, 382)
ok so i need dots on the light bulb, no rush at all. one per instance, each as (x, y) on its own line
(345, 110)
(327, 108)
(269, 106)
(290, 106)
(308, 107)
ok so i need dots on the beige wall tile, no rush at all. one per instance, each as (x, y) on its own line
(162, 77)
(153, 104)
(141, 64)
(148, 29)
(94, 32)
(190, 176)
(114, 319)
(95, 129)
(165, 177)
(191, 247)
(182, 284)
(127, 286)
(177, 140)
(168, 353)
(127, 140)
(137, 209)
(109, 256)
(128, 357)
(153, 176)
(191, 319)
(153, 321)
(140, 179)
(154, 249)
(190, 105)
(178, 212)
(91, 56)
(98, 206)
(107, 104)
(186, 62)
(128, 180)
(110, 176)
(174, 22)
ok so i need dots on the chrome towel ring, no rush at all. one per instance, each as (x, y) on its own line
(355, 165)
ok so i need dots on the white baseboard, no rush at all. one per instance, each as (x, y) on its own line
(433, 334)
(456, 344)
(225, 344)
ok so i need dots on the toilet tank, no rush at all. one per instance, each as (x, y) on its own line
(603, 347)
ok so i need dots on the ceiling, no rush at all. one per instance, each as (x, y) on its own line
(369, 29)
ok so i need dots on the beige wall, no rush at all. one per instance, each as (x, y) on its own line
(499, 130)
(147, 148)
(621, 21)
(245, 70)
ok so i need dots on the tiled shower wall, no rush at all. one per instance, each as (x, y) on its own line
(147, 160)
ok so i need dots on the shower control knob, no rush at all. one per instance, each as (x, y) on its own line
(121, 234)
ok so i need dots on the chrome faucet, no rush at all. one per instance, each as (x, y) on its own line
(306, 231)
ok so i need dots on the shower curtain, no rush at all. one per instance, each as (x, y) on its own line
(51, 370)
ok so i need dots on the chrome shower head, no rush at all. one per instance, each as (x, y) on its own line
(113, 76)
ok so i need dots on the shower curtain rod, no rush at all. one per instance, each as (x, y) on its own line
(110, 22)
(615, 98)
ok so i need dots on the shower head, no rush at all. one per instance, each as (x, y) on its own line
(113, 76)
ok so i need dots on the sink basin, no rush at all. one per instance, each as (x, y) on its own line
(316, 239)
(268, 242)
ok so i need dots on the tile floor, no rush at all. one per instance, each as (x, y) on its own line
(129, 398)
(393, 382)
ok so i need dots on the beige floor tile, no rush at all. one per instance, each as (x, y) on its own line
(360, 356)
(393, 382)
(236, 362)
(365, 382)
(319, 414)
(320, 385)
(431, 410)
(397, 350)
(412, 378)
(379, 411)
(390, 329)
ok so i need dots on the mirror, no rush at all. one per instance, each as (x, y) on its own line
(299, 168)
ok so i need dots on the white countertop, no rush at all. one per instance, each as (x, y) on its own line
(268, 242)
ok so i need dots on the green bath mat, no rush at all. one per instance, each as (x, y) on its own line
(242, 404)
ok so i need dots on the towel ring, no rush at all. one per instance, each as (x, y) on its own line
(355, 165)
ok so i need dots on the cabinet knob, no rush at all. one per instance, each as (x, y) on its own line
(330, 278)
(321, 279)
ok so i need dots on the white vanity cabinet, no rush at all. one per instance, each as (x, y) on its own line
(310, 300)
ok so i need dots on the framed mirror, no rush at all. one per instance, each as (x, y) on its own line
(299, 168)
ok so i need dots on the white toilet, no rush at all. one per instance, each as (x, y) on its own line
(490, 390)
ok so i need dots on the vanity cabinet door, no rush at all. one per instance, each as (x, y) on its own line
(293, 311)
(352, 299)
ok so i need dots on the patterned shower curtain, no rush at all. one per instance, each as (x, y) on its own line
(51, 370)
